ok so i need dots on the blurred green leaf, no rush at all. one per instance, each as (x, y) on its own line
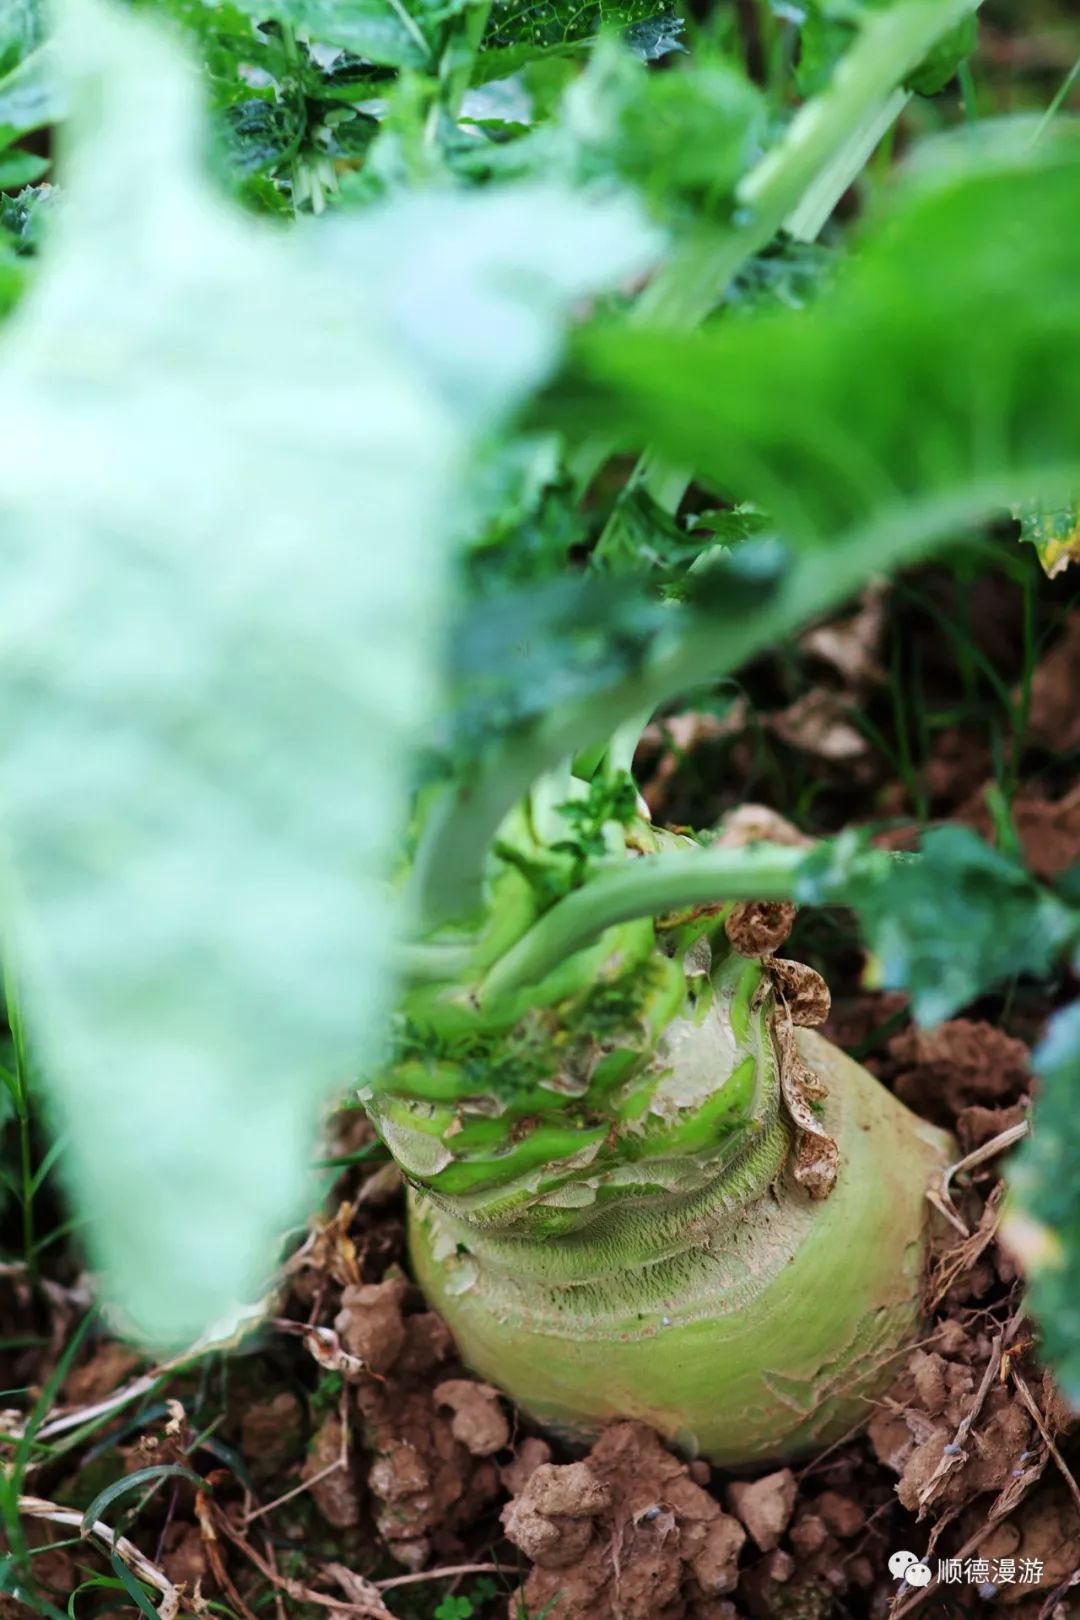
(960, 920)
(891, 410)
(21, 220)
(234, 458)
(29, 98)
(1043, 1224)
(21, 169)
(520, 653)
(22, 29)
(688, 134)
(23, 216)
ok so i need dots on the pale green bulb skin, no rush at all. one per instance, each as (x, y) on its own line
(748, 1324)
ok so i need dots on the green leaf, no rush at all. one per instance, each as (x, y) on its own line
(22, 29)
(385, 31)
(20, 169)
(133, 1586)
(943, 62)
(1043, 1224)
(655, 37)
(234, 457)
(454, 1606)
(521, 31)
(891, 410)
(29, 97)
(128, 1483)
(1054, 531)
(958, 921)
(260, 134)
(690, 133)
(25, 215)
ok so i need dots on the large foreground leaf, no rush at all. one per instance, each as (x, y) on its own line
(232, 461)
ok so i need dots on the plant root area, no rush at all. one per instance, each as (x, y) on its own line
(340, 1461)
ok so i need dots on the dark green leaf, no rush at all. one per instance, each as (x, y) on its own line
(940, 67)
(519, 653)
(119, 1488)
(655, 37)
(521, 31)
(958, 921)
(133, 1586)
(259, 134)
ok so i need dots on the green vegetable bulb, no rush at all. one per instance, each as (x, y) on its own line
(638, 1188)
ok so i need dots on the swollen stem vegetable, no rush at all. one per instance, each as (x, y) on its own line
(638, 1188)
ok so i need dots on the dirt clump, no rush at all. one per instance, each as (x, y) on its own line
(478, 1421)
(764, 1506)
(426, 1478)
(944, 1071)
(1048, 829)
(330, 1476)
(370, 1323)
(1053, 715)
(184, 1559)
(626, 1534)
(271, 1430)
(1040, 1542)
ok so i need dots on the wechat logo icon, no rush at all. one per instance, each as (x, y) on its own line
(905, 1566)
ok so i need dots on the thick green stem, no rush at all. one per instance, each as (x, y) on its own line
(653, 886)
(459, 56)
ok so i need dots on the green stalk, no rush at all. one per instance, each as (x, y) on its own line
(812, 159)
(891, 45)
(459, 56)
(651, 886)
